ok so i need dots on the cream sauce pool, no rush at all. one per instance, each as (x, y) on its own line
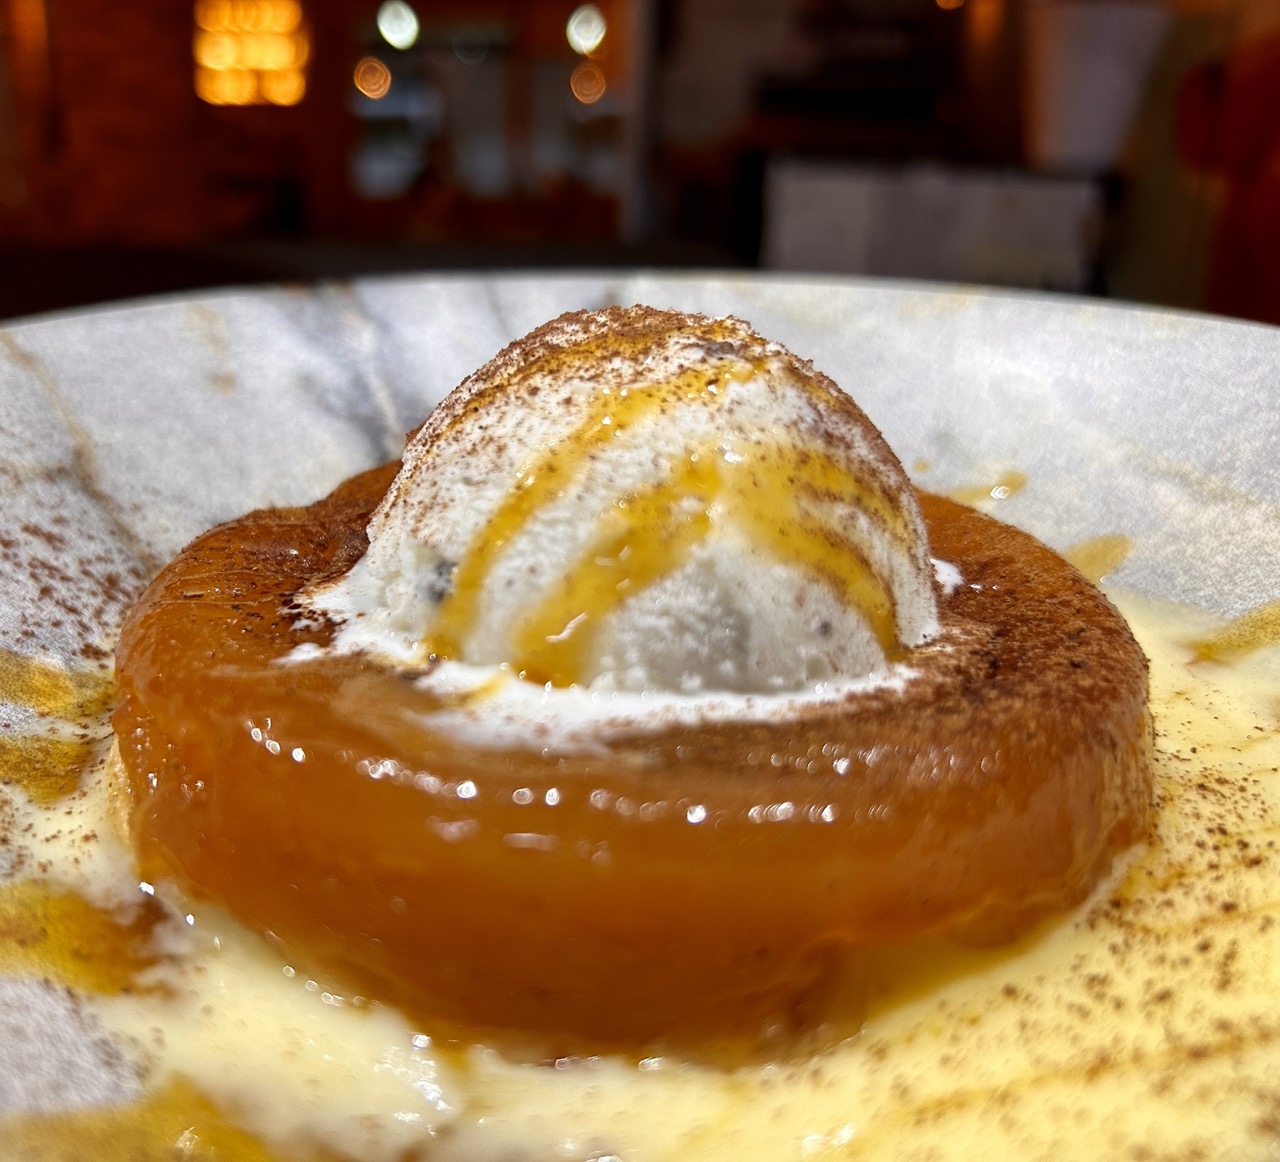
(1143, 1025)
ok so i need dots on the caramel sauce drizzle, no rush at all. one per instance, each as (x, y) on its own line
(48, 768)
(174, 1122)
(1251, 631)
(649, 534)
(1007, 484)
(1098, 556)
(48, 765)
(645, 537)
(61, 937)
(52, 690)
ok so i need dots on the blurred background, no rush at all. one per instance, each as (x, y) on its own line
(1125, 148)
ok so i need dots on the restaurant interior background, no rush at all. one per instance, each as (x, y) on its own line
(1128, 148)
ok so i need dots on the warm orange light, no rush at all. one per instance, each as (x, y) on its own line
(949, 5)
(286, 16)
(284, 87)
(372, 77)
(588, 83)
(215, 50)
(248, 15)
(250, 52)
(986, 18)
(227, 86)
(213, 15)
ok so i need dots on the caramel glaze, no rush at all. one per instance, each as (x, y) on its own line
(691, 883)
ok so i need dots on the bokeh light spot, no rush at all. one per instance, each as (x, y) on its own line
(285, 87)
(250, 52)
(588, 83)
(372, 77)
(585, 29)
(398, 24)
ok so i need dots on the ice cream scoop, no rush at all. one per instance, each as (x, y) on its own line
(643, 500)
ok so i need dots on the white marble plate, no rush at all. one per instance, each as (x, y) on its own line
(127, 430)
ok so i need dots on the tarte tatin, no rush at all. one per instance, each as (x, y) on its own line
(691, 882)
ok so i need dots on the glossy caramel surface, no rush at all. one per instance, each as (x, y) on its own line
(688, 883)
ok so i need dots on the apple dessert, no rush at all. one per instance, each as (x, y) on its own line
(645, 699)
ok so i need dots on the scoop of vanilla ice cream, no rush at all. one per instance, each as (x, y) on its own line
(641, 500)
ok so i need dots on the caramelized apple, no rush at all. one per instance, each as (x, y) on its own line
(688, 880)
